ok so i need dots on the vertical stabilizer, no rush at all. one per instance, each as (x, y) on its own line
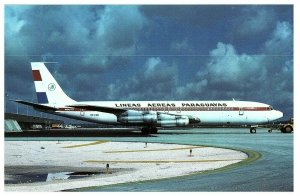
(47, 89)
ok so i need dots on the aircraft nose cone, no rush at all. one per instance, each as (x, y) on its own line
(280, 114)
(277, 115)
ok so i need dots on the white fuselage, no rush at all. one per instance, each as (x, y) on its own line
(148, 114)
(209, 112)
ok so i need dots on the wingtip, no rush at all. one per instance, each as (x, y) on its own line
(14, 100)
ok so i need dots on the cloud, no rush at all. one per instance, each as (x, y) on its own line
(191, 90)
(118, 27)
(266, 78)
(182, 45)
(94, 31)
(204, 15)
(226, 74)
(156, 80)
(13, 24)
(281, 42)
(254, 20)
(229, 70)
(85, 40)
(246, 52)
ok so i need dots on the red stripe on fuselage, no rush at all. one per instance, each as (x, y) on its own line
(70, 109)
(36, 75)
(181, 109)
(251, 108)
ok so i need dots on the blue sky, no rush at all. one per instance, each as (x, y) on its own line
(199, 52)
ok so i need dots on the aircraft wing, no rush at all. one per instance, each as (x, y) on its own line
(105, 109)
(36, 105)
(100, 108)
(119, 111)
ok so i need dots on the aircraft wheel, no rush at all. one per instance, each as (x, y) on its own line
(287, 129)
(252, 130)
(270, 130)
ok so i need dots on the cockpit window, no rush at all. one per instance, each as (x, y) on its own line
(271, 108)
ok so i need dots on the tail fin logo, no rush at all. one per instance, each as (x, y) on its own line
(51, 87)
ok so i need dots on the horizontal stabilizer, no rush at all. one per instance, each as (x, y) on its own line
(35, 105)
(100, 109)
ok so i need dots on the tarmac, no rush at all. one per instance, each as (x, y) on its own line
(271, 161)
(123, 161)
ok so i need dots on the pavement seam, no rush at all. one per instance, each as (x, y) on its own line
(159, 161)
(88, 144)
(150, 150)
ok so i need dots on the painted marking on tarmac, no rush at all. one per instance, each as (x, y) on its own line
(149, 150)
(162, 161)
(87, 144)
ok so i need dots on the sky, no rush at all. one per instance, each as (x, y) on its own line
(153, 52)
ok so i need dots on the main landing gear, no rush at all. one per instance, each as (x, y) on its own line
(252, 130)
(284, 129)
(149, 130)
(287, 128)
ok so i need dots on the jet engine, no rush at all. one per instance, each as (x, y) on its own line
(141, 118)
(160, 119)
(182, 121)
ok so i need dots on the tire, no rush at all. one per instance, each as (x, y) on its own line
(287, 129)
(270, 130)
(252, 130)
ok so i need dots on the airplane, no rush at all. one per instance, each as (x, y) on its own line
(149, 115)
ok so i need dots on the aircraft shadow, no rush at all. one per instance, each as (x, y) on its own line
(77, 133)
